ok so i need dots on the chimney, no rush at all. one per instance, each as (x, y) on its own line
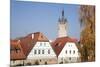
(32, 36)
(18, 41)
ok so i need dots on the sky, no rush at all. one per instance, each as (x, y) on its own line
(30, 17)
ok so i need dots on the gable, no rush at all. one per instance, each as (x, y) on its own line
(16, 52)
(59, 44)
(70, 50)
(41, 47)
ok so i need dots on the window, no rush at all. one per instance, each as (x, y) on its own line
(17, 50)
(40, 44)
(13, 61)
(69, 45)
(73, 51)
(69, 58)
(70, 51)
(58, 44)
(38, 51)
(66, 52)
(34, 51)
(42, 51)
(41, 36)
(40, 60)
(44, 44)
(48, 51)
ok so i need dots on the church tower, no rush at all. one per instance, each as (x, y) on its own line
(62, 26)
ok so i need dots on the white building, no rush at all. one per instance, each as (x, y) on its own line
(33, 49)
(42, 50)
(66, 50)
(64, 46)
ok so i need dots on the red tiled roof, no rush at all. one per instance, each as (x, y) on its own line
(27, 43)
(15, 45)
(59, 44)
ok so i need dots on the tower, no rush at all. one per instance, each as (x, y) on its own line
(62, 26)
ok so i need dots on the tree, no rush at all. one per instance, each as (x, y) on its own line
(87, 39)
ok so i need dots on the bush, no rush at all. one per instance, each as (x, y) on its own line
(61, 63)
(29, 63)
(45, 63)
(36, 63)
(19, 65)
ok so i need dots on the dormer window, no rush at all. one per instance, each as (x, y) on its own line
(17, 49)
(41, 36)
(58, 44)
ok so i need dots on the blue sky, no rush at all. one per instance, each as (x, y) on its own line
(30, 17)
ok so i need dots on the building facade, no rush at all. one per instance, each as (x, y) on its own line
(66, 50)
(42, 51)
(34, 49)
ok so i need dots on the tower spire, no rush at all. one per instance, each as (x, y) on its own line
(62, 26)
(63, 13)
